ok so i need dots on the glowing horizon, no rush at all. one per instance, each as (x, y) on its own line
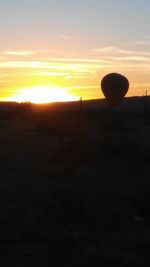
(42, 95)
(78, 76)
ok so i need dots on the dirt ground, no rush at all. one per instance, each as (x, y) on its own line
(74, 190)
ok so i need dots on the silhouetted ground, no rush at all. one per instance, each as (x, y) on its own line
(74, 190)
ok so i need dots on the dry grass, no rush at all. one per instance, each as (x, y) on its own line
(74, 191)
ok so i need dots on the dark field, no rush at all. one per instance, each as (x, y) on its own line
(74, 190)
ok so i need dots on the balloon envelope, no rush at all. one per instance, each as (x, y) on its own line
(114, 87)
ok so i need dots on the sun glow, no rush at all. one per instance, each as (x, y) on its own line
(43, 95)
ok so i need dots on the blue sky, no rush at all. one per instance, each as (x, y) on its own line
(115, 21)
(116, 32)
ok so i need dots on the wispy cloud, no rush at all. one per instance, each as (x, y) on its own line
(116, 50)
(112, 50)
(19, 53)
(47, 73)
(92, 86)
(105, 49)
(79, 69)
(140, 42)
(75, 67)
(76, 60)
(30, 65)
(133, 58)
(118, 59)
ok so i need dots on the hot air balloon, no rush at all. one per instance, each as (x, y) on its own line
(114, 87)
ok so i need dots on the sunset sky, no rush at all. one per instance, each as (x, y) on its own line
(63, 48)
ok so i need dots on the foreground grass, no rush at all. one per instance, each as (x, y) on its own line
(75, 191)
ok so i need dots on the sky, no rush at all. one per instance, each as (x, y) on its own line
(63, 48)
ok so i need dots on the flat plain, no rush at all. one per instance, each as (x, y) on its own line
(74, 188)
